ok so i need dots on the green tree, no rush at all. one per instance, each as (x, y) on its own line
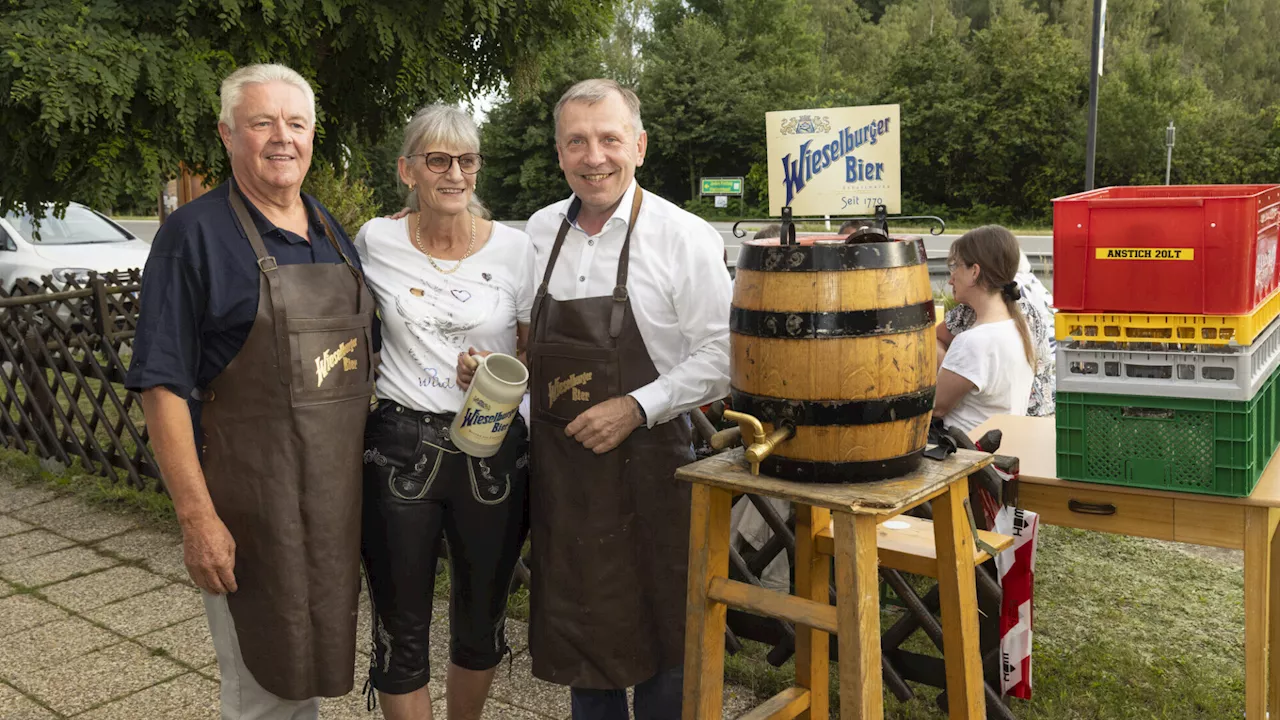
(778, 43)
(522, 171)
(704, 111)
(1033, 88)
(930, 81)
(347, 197)
(984, 116)
(905, 27)
(375, 167)
(103, 97)
(713, 68)
(621, 49)
(839, 23)
(993, 94)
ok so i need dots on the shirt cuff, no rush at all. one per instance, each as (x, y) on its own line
(965, 372)
(143, 384)
(654, 401)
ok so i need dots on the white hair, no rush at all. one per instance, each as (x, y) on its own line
(441, 124)
(593, 91)
(233, 89)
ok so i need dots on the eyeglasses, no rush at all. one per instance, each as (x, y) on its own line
(952, 265)
(440, 162)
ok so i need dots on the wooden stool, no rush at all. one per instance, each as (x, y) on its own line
(855, 510)
(906, 544)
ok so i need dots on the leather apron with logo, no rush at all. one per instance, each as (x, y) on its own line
(283, 430)
(609, 533)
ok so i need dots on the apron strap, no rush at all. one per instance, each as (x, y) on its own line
(346, 260)
(620, 288)
(551, 262)
(360, 285)
(620, 284)
(267, 264)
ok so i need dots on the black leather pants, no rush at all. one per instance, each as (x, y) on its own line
(419, 488)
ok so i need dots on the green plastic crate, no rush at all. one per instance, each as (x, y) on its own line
(1210, 447)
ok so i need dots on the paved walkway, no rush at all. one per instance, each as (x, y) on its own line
(98, 621)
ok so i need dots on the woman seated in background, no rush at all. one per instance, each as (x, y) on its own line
(1036, 305)
(988, 369)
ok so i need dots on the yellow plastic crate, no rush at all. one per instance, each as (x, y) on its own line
(1199, 329)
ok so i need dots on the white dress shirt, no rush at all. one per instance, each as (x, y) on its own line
(678, 285)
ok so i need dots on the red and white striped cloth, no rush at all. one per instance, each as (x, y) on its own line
(1017, 567)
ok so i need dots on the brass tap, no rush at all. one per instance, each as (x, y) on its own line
(751, 431)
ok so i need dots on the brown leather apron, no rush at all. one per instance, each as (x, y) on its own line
(283, 430)
(609, 533)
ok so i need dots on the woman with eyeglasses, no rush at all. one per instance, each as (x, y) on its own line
(448, 281)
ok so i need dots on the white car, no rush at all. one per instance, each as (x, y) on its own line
(65, 247)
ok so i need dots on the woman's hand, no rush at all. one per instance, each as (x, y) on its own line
(400, 215)
(467, 363)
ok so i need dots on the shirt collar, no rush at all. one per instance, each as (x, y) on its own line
(621, 214)
(314, 226)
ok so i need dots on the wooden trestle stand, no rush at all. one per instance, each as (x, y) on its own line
(857, 510)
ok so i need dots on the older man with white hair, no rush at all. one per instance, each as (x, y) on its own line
(254, 362)
(630, 332)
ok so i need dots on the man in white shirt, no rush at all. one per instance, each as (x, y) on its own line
(630, 332)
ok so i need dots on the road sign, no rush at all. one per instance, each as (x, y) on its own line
(721, 186)
(722, 201)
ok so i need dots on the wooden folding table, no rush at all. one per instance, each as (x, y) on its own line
(1247, 524)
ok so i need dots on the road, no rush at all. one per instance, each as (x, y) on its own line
(1039, 248)
(144, 229)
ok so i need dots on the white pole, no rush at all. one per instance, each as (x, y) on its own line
(1091, 137)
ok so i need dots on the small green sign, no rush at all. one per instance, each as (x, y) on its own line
(722, 186)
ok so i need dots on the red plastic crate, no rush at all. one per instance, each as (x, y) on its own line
(1174, 249)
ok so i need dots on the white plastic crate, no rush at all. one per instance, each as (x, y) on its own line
(1215, 373)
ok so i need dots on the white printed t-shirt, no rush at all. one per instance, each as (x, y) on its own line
(990, 356)
(428, 317)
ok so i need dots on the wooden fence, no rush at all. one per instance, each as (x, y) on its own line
(64, 351)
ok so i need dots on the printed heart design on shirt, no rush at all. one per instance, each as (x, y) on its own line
(487, 277)
(462, 295)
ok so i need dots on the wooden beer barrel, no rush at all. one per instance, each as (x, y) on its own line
(838, 340)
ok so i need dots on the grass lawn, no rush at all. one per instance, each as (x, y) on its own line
(1126, 628)
(92, 388)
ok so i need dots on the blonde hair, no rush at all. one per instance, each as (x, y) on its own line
(995, 251)
(593, 91)
(233, 85)
(440, 124)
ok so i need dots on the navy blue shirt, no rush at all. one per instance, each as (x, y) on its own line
(200, 289)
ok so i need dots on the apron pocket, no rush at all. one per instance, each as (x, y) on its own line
(569, 380)
(331, 358)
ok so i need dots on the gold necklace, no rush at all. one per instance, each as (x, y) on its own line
(417, 240)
